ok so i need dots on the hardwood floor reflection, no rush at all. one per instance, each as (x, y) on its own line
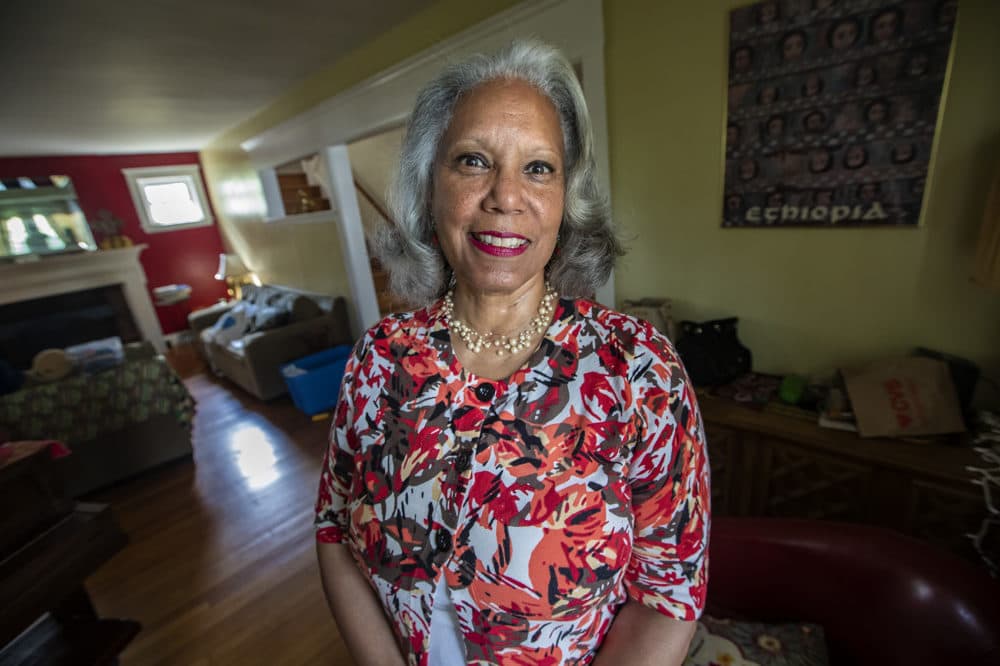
(220, 568)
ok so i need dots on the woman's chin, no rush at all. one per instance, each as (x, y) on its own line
(500, 283)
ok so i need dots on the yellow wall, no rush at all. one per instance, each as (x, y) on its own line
(810, 299)
(308, 256)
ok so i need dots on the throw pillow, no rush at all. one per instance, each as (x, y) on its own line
(718, 642)
(269, 317)
(233, 324)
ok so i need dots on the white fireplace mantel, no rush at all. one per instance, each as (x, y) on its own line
(51, 276)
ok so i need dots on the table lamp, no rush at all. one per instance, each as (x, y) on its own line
(234, 272)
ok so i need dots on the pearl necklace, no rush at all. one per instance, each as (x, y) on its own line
(502, 344)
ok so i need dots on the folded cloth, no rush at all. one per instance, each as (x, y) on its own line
(11, 452)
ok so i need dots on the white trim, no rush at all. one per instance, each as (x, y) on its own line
(384, 100)
(192, 171)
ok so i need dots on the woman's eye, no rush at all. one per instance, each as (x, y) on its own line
(539, 169)
(472, 160)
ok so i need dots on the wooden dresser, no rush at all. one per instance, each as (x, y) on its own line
(779, 462)
(48, 546)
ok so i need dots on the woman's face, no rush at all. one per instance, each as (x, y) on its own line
(741, 60)
(499, 187)
(768, 95)
(902, 153)
(775, 127)
(732, 135)
(844, 35)
(876, 112)
(855, 157)
(813, 85)
(793, 47)
(748, 169)
(819, 160)
(866, 75)
(947, 12)
(918, 65)
(885, 26)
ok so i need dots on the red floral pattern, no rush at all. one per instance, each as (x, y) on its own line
(546, 500)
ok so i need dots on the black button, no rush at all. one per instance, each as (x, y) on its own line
(485, 392)
(443, 541)
(464, 460)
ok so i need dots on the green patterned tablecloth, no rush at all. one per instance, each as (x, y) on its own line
(84, 407)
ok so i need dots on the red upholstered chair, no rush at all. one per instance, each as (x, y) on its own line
(881, 597)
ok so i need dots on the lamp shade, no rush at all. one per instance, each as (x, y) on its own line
(230, 265)
(987, 268)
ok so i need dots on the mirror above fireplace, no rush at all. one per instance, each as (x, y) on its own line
(40, 216)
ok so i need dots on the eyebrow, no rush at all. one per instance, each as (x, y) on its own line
(461, 142)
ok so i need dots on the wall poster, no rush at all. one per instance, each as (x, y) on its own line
(832, 106)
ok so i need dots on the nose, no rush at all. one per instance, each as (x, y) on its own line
(506, 195)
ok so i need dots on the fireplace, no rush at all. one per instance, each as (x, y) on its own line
(28, 327)
(68, 299)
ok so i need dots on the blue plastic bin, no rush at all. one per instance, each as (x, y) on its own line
(314, 380)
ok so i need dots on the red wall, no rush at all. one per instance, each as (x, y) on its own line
(185, 256)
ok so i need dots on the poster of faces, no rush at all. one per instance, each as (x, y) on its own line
(832, 106)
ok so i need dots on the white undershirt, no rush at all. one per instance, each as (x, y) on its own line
(447, 647)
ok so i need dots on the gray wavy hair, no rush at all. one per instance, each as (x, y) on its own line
(588, 245)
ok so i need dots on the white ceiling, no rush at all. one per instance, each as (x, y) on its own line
(127, 76)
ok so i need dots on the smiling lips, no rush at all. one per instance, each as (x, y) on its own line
(499, 244)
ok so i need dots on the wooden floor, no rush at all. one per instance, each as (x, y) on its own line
(220, 568)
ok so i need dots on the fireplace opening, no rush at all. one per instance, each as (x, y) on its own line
(72, 318)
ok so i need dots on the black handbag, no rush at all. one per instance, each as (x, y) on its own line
(712, 353)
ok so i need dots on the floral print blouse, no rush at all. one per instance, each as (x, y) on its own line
(546, 500)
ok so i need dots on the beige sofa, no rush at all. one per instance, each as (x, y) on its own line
(286, 325)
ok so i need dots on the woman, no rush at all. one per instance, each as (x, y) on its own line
(793, 46)
(515, 475)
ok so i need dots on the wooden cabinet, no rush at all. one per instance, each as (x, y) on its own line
(779, 462)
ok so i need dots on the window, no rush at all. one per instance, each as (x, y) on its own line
(169, 198)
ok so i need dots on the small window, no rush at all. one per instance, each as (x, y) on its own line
(169, 198)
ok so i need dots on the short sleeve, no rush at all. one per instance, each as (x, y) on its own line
(669, 479)
(338, 464)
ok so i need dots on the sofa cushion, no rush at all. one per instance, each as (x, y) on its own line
(268, 317)
(756, 644)
(303, 308)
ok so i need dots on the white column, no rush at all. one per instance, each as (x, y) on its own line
(137, 297)
(352, 239)
(272, 193)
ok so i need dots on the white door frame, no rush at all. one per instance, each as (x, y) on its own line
(385, 100)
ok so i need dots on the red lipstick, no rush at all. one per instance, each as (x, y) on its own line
(495, 250)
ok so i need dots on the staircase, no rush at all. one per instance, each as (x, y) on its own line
(298, 196)
(387, 302)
